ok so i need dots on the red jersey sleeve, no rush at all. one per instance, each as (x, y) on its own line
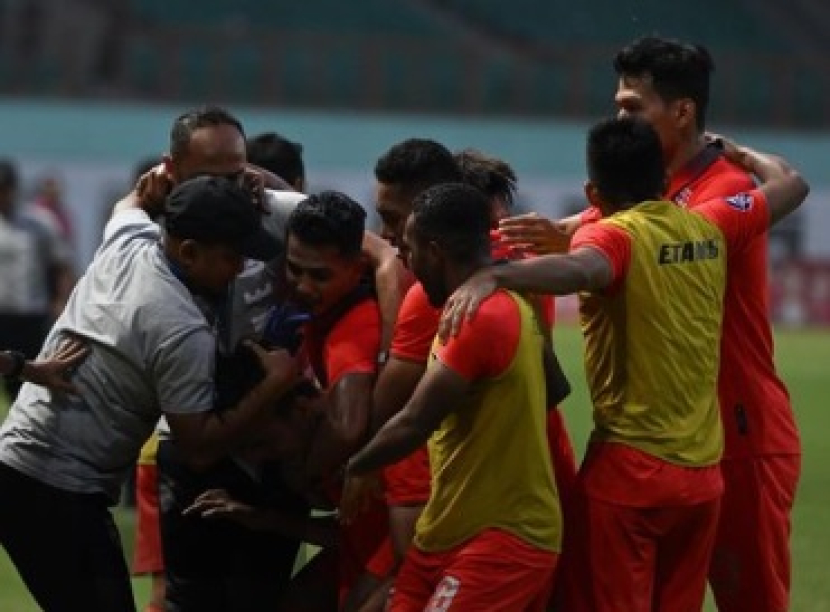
(590, 215)
(740, 217)
(352, 345)
(485, 346)
(614, 243)
(415, 327)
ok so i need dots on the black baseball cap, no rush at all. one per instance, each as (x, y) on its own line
(217, 210)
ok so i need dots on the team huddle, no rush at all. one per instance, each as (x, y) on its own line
(285, 377)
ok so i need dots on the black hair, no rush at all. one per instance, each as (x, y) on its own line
(489, 174)
(9, 178)
(189, 122)
(457, 217)
(625, 161)
(417, 164)
(676, 69)
(329, 218)
(278, 155)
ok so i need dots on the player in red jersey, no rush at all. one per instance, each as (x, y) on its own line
(651, 481)
(325, 278)
(667, 83)
(489, 534)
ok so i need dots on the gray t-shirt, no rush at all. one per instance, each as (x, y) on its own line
(252, 293)
(151, 351)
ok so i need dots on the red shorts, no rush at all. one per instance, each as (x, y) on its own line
(564, 473)
(750, 568)
(147, 558)
(360, 542)
(383, 561)
(643, 559)
(407, 483)
(494, 571)
(563, 459)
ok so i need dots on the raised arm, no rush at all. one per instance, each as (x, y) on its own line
(541, 235)
(782, 185)
(149, 193)
(389, 272)
(585, 269)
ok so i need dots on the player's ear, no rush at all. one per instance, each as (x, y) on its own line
(592, 194)
(684, 112)
(187, 251)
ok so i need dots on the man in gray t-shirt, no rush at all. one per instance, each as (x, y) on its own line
(62, 458)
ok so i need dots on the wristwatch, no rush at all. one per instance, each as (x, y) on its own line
(18, 360)
(382, 358)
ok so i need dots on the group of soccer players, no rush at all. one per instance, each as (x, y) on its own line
(393, 400)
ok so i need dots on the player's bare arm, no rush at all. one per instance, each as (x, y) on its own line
(584, 269)
(541, 235)
(346, 410)
(784, 188)
(388, 269)
(219, 504)
(438, 392)
(52, 372)
(395, 385)
(149, 193)
(206, 437)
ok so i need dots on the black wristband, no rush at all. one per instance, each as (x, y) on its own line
(18, 363)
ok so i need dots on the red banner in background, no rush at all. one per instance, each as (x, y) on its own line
(799, 295)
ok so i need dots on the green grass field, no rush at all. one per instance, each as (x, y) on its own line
(803, 359)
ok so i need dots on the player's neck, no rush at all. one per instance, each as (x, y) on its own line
(458, 274)
(685, 152)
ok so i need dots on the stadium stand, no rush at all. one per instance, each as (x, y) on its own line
(525, 57)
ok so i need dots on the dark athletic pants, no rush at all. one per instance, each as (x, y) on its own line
(65, 546)
(218, 565)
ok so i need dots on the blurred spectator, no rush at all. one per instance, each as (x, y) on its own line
(35, 268)
(280, 156)
(49, 200)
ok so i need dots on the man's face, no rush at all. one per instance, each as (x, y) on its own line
(210, 268)
(423, 259)
(393, 208)
(216, 150)
(318, 277)
(636, 97)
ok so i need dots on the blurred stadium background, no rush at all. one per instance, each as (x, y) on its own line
(90, 87)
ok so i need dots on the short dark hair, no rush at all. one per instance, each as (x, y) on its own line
(9, 178)
(676, 69)
(489, 174)
(456, 216)
(278, 155)
(329, 218)
(189, 122)
(625, 161)
(416, 164)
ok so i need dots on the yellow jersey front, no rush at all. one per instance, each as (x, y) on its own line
(652, 344)
(490, 461)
